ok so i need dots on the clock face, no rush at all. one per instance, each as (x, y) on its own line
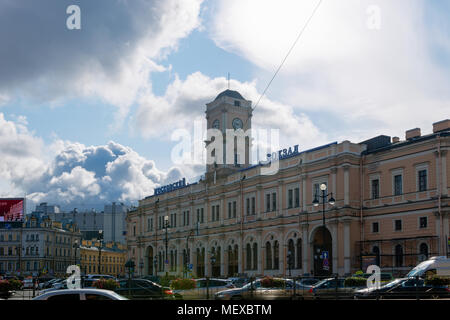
(216, 124)
(237, 123)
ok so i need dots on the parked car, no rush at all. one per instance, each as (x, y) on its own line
(257, 291)
(385, 277)
(439, 266)
(80, 294)
(48, 284)
(99, 276)
(404, 288)
(143, 289)
(330, 288)
(28, 283)
(239, 282)
(42, 281)
(307, 282)
(203, 288)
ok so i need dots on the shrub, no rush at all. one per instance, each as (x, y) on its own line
(15, 284)
(183, 284)
(165, 281)
(269, 282)
(359, 273)
(107, 284)
(5, 286)
(355, 282)
(437, 281)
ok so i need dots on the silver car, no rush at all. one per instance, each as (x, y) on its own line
(80, 294)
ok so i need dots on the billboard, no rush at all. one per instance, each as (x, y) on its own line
(12, 209)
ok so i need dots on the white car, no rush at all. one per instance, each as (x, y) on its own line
(28, 283)
(80, 294)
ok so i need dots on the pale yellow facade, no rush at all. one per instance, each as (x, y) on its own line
(391, 202)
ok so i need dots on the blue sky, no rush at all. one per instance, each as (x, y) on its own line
(114, 92)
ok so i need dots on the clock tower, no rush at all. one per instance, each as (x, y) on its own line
(229, 111)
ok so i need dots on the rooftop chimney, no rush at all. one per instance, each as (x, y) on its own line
(441, 125)
(395, 139)
(412, 133)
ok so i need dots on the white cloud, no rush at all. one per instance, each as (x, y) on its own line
(72, 174)
(363, 81)
(110, 58)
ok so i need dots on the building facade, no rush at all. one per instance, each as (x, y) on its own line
(37, 246)
(111, 255)
(390, 207)
(114, 222)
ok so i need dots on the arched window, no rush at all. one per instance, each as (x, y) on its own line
(291, 250)
(424, 251)
(268, 256)
(255, 256)
(398, 255)
(276, 255)
(376, 252)
(249, 257)
(299, 253)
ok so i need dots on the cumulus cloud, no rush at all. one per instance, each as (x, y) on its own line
(185, 102)
(74, 175)
(363, 80)
(110, 57)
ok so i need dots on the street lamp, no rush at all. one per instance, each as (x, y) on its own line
(100, 238)
(155, 263)
(213, 262)
(166, 226)
(289, 261)
(141, 266)
(331, 201)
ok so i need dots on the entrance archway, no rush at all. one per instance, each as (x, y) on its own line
(322, 252)
(150, 261)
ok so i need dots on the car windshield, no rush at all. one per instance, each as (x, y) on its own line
(419, 269)
(256, 284)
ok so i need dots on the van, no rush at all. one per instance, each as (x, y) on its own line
(439, 266)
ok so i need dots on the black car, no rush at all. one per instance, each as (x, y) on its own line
(143, 289)
(404, 288)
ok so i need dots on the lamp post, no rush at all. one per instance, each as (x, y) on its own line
(141, 266)
(155, 263)
(324, 196)
(100, 238)
(187, 262)
(166, 226)
(289, 261)
(213, 262)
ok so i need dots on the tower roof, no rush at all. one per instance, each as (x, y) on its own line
(230, 93)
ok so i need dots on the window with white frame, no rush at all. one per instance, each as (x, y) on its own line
(397, 182)
(422, 177)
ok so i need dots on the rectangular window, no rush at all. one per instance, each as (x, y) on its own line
(213, 213)
(248, 206)
(290, 198)
(234, 209)
(423, 222)
(253, 205)
(375, 227)
(375, 189)
(217, 213)
(398, 185)
(268, 202)
(274, 201)
(198, 215)
(229, 210)
(202, 215)
(187, 217)
(297, 197)
(422, 180)
(398, 225)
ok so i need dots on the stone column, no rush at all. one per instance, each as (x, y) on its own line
(222, 209)
(222, 255)
(280, 197)
(347, 246)
(335, 247)
(346, 186)
(304, 199)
